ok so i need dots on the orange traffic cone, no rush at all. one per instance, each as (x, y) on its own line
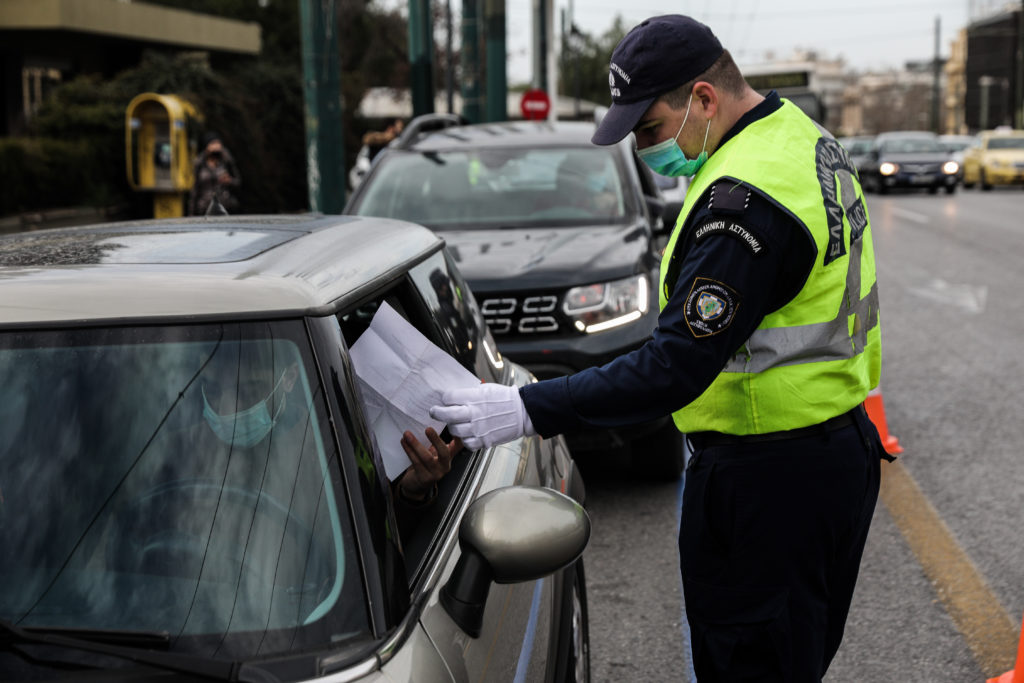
(1018, 667)
(876, 411)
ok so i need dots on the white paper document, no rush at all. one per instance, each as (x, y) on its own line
(401, 374)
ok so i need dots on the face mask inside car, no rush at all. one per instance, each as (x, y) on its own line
(247, 427)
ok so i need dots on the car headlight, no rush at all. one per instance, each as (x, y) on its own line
(887, 168)
(950, 167)
(604, 305)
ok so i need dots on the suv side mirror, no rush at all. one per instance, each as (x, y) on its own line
(511, 534)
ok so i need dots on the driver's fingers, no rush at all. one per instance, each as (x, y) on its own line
(417, 452)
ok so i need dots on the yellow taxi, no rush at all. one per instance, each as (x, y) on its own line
(997, 159)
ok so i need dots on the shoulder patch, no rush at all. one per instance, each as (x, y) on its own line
(729, 197)
(710, 307)
(727, 227)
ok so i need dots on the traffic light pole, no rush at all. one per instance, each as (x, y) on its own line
(321, 85)
(421, 57)
(471, 105)
(497, 60)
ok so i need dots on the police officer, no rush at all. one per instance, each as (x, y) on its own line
(767, 344)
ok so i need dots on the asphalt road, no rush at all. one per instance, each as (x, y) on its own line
(941, 593)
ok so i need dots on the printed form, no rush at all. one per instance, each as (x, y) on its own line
(401, 374)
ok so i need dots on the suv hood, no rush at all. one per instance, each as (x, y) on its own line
(513, 259)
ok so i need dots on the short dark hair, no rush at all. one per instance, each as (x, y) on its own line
(723, 73)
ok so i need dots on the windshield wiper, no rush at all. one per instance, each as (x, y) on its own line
(215, 669)
(150, 639)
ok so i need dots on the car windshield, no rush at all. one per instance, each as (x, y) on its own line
(857, 145)
(1006, 143)
(910, 145)
(501, 188)
(174, 479)
(956, 144)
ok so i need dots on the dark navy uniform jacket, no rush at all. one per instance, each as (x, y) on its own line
(759, 255)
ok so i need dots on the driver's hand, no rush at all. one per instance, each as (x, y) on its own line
(429, 464)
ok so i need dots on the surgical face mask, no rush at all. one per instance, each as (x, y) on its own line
(668, 159)
(245, 428)
(596, 183)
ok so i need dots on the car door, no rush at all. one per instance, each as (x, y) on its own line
(513, 644)
(516, 629)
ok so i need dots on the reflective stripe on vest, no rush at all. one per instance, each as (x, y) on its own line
(818, 355)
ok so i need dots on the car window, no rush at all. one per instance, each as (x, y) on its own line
(957, 144)
(174, 479)
(458, 317)
(501, 187)
(1006, 143)
(436, 301)
(859, 146)
(910, 145)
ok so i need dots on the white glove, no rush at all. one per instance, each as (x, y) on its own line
(485, 415)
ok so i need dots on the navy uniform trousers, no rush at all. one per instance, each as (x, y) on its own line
(770, 544)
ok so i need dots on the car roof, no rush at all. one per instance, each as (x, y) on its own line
(506, 134)
(239, 267)
(1003, 132)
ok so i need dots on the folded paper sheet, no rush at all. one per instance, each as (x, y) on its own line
(401, 374)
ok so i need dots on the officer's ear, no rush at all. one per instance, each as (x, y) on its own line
(705, 95)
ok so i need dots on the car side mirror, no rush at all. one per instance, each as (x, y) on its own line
(511, 534)
(655, 206)
(669, 217)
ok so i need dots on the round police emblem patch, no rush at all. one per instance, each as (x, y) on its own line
(710, 307)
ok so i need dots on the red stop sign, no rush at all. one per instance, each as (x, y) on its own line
(535, 104)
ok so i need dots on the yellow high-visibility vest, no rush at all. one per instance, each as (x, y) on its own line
(820, 354)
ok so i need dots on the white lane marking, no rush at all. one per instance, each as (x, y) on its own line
(970, 298)
(911, 215)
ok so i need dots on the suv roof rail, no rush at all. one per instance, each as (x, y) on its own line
(426, 123)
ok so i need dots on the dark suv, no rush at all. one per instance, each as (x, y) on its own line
(559, 240)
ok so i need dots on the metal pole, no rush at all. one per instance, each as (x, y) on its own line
(576, 62)
(497, 61)
(936, 76)
(540, 44)
(1019, 90)
(449, 72)
(321, 74)
(471, 105)
(986, 84)
(421, 56)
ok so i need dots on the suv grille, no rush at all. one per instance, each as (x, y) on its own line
(512, 315)
(921, 168)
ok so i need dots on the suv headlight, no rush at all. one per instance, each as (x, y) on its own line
(604, 305)
(888, 168)
(950, 167)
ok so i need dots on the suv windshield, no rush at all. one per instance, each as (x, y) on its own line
(174, 479)
(911, 145)
(500, 188)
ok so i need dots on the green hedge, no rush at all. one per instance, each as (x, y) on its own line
(40, 173)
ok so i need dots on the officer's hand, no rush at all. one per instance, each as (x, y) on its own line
(485, 415)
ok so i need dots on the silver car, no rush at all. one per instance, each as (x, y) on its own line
(190, 486)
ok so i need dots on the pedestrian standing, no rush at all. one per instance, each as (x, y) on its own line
(216, 179)
(766, 347)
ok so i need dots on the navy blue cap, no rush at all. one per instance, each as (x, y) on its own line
(657, 56)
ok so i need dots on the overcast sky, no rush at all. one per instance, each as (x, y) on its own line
(869, 34)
